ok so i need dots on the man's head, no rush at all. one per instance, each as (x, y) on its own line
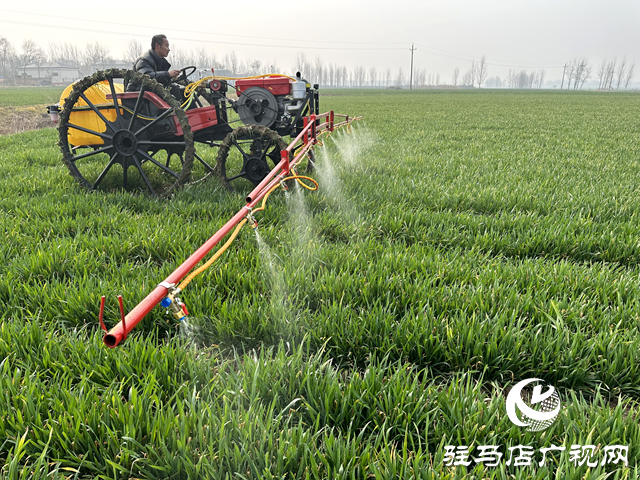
(160, 45)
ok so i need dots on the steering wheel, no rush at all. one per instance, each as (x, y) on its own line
(184, 74)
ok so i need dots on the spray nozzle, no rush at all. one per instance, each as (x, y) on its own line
(174, 305)
(250, 218)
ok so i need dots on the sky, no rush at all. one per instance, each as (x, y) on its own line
(515, 34)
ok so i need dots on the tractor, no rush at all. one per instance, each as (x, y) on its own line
(106, 131)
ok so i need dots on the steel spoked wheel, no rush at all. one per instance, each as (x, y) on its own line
(109, 143)
(247, 155)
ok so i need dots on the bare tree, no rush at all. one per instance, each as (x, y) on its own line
(621, 72)
(55, 51)
(231, 62)
(302, 64)
(39, 60)
(570, 72)
(582, 72)
(243, 67)
(481, 71)
(7, 57)
(319, 70)
(523, 79)
(254, 67)
(65, 54)
(30, 54)
(72, 55)
(387, 77)
(629, 76)
(360, 74)
(474, 67)
(180, 57)
(467, 79)
(586, 74)
(494, 82)
(96, 55)
(579, 71)
(541, 75)
(601, 73)
(456, 73)
(422, 77)
(205, 60)
(103, 53)
(400, 80)
(341, 73)
(611, 68)
(373, 76)
(133, 51)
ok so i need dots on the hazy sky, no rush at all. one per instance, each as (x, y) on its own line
(448, 34)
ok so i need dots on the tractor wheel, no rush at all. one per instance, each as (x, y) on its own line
(247, 155)
(120, 137)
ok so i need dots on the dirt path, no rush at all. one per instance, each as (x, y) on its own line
(21, 119)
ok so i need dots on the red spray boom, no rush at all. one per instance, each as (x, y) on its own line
(314, 125)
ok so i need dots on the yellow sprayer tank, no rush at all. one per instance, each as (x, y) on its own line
(83, 116)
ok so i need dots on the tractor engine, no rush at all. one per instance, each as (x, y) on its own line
(275, 102)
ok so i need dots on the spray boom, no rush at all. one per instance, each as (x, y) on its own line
(165, 293)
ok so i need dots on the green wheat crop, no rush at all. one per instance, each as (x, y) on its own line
(459, 242)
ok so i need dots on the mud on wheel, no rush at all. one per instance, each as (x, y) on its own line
(248, 153)
(100, 151)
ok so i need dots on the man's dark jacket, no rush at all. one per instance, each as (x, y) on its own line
(153, 65)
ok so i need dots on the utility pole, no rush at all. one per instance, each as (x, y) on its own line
(563, 69)
(412, 49)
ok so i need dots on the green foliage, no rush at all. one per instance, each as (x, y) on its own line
(459, 242)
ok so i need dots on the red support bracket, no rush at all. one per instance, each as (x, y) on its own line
(313, 128)
(102, 314)
(284, 157)
(331, 121)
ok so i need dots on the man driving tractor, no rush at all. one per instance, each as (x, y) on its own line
(153, 63)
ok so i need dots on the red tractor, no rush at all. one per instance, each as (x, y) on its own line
(105, 130)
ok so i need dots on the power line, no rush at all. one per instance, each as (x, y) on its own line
(217, 42)
(382, 46)
(459, 56)
(128, 25)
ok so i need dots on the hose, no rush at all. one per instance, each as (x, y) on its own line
(210, 262)
(233, 236)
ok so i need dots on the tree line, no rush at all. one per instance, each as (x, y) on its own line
(614, 74)
(611, 74)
